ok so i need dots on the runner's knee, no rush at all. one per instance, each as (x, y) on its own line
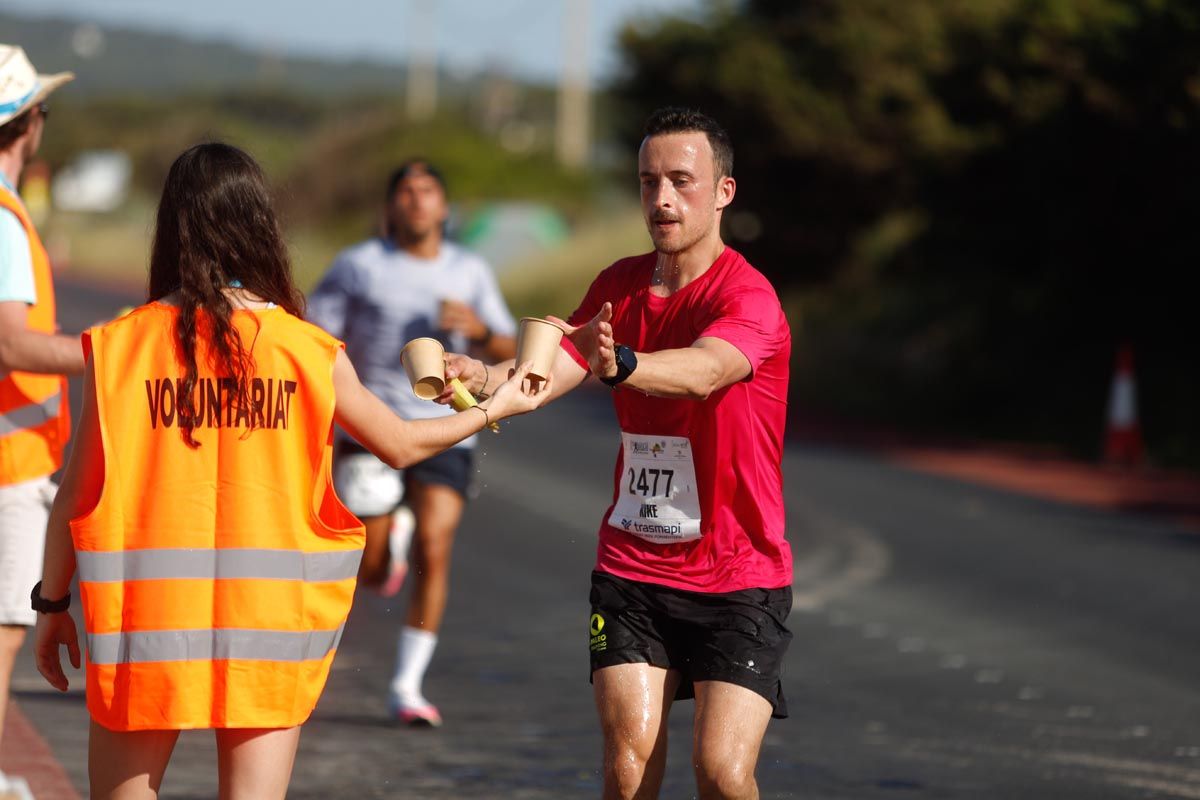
(432, 555)
(625, 771)
(723, 777)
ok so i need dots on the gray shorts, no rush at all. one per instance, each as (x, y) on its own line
(24, 511)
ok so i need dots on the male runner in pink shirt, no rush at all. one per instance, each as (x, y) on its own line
(692, 586)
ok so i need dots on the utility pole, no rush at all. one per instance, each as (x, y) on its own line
(421, 93)
(573, 132)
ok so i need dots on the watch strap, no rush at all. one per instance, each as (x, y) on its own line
(624, 354)
(44, 606)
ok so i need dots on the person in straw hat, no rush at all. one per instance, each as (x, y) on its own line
(34, 361)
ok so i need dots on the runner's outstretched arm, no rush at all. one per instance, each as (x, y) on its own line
(688, 373)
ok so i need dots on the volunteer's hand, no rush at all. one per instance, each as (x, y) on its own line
(53, 631)
(518, 394)
(469, 371)
(594, 341)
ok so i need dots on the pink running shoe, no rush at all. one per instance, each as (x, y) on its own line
(399, 539)
(420, 715)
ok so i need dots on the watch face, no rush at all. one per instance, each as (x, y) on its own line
(626, 358)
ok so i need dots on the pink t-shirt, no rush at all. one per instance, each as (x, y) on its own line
(736, 434)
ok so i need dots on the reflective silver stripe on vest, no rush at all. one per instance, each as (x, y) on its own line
(216, 564)
(30, 415)
(143, 647)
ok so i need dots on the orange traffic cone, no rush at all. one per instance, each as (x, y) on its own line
(1123, 442)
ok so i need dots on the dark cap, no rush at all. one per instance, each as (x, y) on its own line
(415, 166)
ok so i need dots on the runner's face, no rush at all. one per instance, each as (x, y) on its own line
(679, 190)
(419, 206)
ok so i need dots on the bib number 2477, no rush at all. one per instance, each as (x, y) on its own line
(657, 499)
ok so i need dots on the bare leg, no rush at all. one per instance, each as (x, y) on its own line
(731, 721)
(127, 765)
(438, 510)
(11, 637)
(373, 570)
(633, 701)
(256, 764)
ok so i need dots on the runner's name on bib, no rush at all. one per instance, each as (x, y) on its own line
(657, 498)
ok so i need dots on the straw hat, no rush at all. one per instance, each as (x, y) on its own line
(21, 87)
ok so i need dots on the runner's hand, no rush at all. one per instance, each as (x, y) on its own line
(458, 316)
(594, 341)
(517, 395)
(470, 372)
(54, 630)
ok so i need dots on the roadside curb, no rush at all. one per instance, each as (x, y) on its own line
(1169, 496)
(1044, 472)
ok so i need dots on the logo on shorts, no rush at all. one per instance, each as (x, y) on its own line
(599, 641)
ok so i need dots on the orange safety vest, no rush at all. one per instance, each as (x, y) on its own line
(215, 581)
(35, 421)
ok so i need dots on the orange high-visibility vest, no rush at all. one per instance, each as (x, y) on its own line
(215, 580)
(35, 421)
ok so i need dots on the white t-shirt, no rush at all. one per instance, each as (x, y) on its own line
(16, 261)
(376, 298)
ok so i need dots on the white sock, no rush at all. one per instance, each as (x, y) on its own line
(413, 653)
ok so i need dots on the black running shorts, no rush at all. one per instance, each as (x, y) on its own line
(736, 637)
(453, 468)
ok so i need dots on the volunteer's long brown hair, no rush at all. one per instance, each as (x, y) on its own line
(215, 226)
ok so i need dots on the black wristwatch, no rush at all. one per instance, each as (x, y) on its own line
(626, 364)
(44, 606)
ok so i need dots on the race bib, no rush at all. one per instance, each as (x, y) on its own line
(658, 500)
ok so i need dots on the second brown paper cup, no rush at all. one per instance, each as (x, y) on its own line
(537, 341)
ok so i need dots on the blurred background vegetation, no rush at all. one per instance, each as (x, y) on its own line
(965, 205)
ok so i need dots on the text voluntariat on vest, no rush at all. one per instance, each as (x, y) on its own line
(269, 407)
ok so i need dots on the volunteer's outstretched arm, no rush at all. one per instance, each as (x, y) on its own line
(481, 379)
(400, 443)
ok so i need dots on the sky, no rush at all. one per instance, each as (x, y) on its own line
(522, 37)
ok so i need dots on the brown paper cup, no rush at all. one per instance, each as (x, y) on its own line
(424, 362)
(537, 341)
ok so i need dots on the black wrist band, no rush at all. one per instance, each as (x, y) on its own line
(44, 606)
(487, 377)
(487, 336)
(626, 364)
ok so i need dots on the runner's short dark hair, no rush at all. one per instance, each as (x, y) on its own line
(414, 166)
(674, 119)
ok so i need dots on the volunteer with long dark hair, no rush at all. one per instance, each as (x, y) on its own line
(216, 563)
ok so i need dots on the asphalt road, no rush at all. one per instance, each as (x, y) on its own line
(950, 642)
